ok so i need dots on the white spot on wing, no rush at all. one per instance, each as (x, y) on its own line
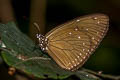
(98, 22)
(91, 49)
(71, 66)
(83, 44)
(75, 65)
(80, 54)
(93, 38)
(75, 59)
(78, 20)
(84, 57)
(70, 33)
(95, 18)
(81, 60)
(79, 37)
(83, 49)
(76, 29)
(87, 29)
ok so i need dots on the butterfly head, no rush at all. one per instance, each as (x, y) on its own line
(42, 41)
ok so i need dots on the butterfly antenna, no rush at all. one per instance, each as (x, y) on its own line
(37, 26)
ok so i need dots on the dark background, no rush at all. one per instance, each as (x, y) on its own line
(107, 56)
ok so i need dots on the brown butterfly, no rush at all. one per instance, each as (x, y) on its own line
(71, 44)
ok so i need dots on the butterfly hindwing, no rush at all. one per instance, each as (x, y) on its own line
(71, 44)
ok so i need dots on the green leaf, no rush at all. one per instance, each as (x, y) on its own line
(20, 53)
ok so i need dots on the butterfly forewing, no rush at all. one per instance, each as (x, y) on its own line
(71, 44)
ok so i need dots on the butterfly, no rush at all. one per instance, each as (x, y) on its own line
(71, 44)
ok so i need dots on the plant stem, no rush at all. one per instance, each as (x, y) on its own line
(102, 75)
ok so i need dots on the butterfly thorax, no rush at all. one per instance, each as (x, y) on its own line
(42, 41)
